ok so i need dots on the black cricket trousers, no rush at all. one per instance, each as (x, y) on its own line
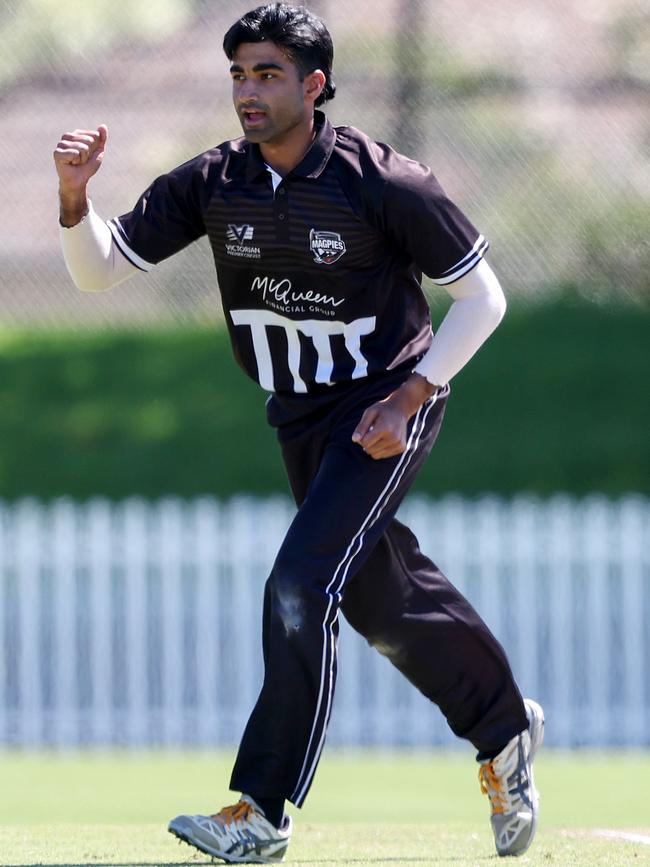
(345, 550)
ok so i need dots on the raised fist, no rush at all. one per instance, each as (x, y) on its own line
(78, 155)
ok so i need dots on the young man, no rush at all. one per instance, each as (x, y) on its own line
(319, 237)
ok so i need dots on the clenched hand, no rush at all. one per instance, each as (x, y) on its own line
(382, 431)
(77, 157)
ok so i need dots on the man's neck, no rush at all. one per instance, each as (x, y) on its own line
(285, 155)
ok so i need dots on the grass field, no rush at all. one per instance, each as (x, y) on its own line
(365, 808)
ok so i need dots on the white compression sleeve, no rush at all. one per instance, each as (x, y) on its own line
(93, 260)
(478, 307)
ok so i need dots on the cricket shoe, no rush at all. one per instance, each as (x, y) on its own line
(240, 834)
(507, 780)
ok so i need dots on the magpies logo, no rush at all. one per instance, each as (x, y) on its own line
(327, 247)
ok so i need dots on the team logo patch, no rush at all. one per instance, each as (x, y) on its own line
(239, 233)
(327, 247)
(238, 240)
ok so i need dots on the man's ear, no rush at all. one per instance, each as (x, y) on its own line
(313, 84)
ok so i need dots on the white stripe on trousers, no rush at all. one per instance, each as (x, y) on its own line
(300, 791)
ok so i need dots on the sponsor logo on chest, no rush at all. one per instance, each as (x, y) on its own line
(238, 242)
(327, 247)
(279, 294)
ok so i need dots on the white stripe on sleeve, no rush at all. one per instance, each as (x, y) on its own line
(466, 264)
(119, 236)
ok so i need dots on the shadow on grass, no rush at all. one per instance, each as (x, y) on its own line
(122, 864)
(214, 863)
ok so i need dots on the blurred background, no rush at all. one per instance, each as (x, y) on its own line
(141, 494)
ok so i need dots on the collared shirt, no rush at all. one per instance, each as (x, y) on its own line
(320, 277)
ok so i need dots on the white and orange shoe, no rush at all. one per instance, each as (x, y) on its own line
(507, 780)
(240, 834)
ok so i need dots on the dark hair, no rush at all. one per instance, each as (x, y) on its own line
(304, 38)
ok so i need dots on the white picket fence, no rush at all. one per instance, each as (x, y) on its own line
(139, 624)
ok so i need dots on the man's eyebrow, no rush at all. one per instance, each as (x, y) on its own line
(259, 67)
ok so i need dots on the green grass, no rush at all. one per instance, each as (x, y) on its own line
(365, 808)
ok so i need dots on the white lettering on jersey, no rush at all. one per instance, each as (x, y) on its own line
(284, 295)
(237, 238)
(319, 331)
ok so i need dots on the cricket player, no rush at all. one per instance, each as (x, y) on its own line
(320, 236)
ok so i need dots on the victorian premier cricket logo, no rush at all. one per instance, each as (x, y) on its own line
(238, 240)
(327, 247)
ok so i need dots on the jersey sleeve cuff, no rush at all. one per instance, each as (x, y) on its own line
(469, 261)
(119, 237)
(431, 376)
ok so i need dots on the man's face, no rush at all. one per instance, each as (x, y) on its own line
(267, 92)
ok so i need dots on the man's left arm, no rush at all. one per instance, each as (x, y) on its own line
(477, 309)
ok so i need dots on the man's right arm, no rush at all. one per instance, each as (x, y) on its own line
(91, 257)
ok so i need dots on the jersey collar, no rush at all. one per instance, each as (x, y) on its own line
(314, 161)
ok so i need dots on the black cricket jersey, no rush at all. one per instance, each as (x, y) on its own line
(320, 278)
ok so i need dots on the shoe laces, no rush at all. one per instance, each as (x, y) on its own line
(239, 812)
(492, 786)
(506, 779)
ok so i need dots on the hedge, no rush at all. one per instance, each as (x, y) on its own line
(556, 400)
